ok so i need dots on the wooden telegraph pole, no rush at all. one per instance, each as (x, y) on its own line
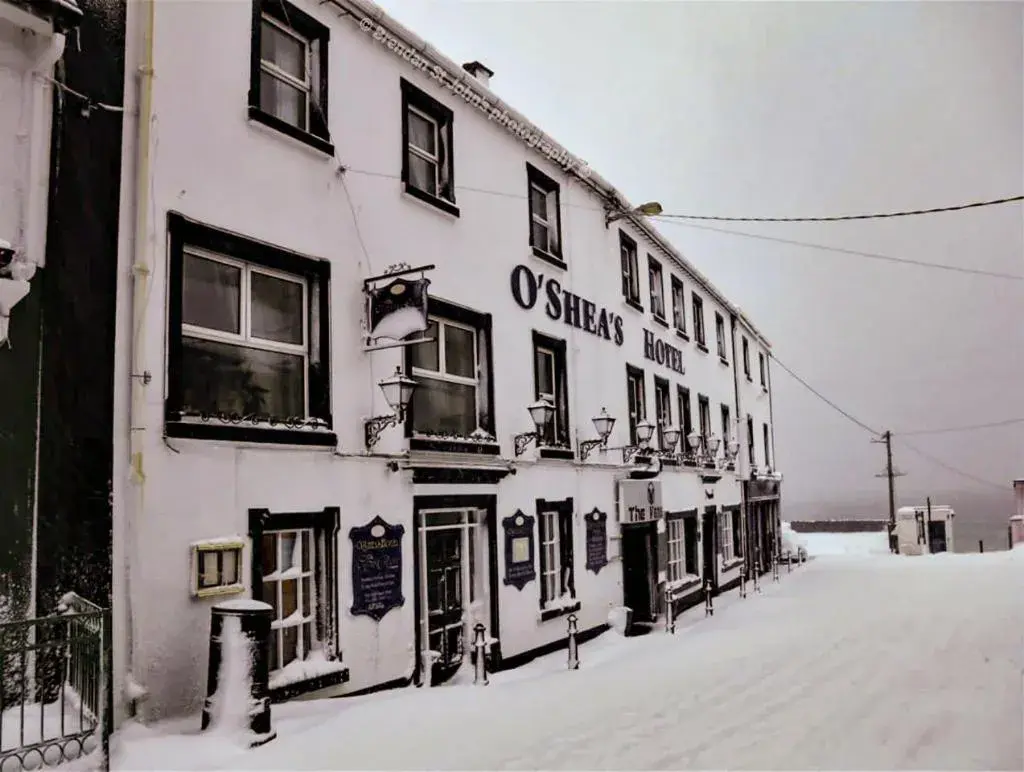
(891, 474)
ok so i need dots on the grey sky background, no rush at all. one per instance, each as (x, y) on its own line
(805, 109)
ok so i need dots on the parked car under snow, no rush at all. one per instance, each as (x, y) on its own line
(794, 547)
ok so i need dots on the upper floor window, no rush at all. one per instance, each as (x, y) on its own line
(750, 440)
(767, 445)
(685, 420)
(746, 359)
(247, 339)
(657, 283)
(453, 394)
(704, 415)
(761, 367)
(678, 306)
(427, 149)
(630, 270)
(288, 77)
(726, 426)
(698, 321)
(662, 409)
(550, 383)
(545, 219)
(637, 399)
(720, 334)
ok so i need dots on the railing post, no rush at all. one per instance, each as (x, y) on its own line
(480, 646)
(709, 606)
(573, 644)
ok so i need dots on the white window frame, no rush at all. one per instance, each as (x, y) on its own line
(552, 573)
(726, 536)
(662, 399)
(214, 546)
(676, 550)
(441, 374)
(698, 319)
(720, 333)
(550, 225)
(678, 305)
(553, 396)
(244, 338)
(638, 386)
(631, 270)
(656, 278)
(303, 648)
(434, 160)
(306, 84)
(761, 366)
(746, 359)
(704, 420)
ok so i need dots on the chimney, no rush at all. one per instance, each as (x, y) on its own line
(478, 71)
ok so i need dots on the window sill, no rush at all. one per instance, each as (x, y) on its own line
(723, 360)
(729, 565)
(669, 461)
(309, 685)
(216, 592)
(438, 203)
(241, 432)
(764, 389)
(702, 347)
(549, 258)
(564, 454)
(546, 615)
(679, 589)
(634, 304)
(682, 334)
(660, 320)
(749, 379)
(323, 144)
(440, 445)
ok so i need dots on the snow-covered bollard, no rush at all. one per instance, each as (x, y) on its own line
(480, 646)
(573, 644)
(743, 580)
(775, 567)
(709, 607)
(670, 616)
(789, 562)
(237, 685)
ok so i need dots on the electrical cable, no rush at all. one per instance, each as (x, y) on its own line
(823, 398)
(949, 468)
(994, 424)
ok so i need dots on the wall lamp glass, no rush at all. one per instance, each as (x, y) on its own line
(644, 432)
(603, 424)
(398, 392)
(541, 412)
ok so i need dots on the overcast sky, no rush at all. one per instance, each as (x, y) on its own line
(808, 109)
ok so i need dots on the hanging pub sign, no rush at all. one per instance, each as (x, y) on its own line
(596, 524)
(519, 549)
(376, 568)
(396, 305)
(639, 501)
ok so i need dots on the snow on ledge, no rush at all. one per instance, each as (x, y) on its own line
(296, 671)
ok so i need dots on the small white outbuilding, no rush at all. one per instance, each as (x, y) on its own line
(921, 530)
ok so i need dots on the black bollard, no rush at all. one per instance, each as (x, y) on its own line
(254, 620)
(981, 545)
(709, 606)
(775, 567)
(480, 647)
(670, 617)
(573, 644)
(743, 581)
(789, 562)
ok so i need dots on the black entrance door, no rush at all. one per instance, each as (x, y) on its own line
(937, 536)
(638, 570)
(709, 529)
(445, 623)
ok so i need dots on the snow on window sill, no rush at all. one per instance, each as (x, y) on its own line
(729, 565)
(682, 586)
(297, 671)
(559, 607)
(218, 590)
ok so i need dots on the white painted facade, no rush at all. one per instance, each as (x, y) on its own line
(912, 524)
(211, 164)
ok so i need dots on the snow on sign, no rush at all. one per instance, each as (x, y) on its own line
(639, 501)
(376, 568)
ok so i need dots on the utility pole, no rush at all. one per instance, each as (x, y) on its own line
(891, 474)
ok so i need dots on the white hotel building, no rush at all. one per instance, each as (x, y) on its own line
(284, 158)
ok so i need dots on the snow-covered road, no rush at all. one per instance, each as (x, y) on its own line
(874, 662)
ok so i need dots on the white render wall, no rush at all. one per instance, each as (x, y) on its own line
(209, 163)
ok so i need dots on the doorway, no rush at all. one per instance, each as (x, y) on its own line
(709, 528)
(936, 536)
(454, 588)
(639, 570)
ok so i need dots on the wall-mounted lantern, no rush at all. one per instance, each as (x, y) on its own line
(644, 432)
(693, 441)
(669, 440)
(733, 449)
(541, 413)
(603, 424)
(398, 392)
(712, 443)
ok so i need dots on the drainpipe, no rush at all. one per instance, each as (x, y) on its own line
(140, 272)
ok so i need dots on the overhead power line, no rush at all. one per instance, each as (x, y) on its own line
(949, 468)
(822, 397)
(994, 424)
(839, 218)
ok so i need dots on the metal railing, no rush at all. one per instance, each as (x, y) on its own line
(55, 687)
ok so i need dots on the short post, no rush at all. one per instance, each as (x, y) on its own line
(1009, 537)
(574, 647)
(709, 606)
(789, 562)
(670, 617)
(480, 647)
(775, 567)
(757, 579)
(743, 580)
(981, 545)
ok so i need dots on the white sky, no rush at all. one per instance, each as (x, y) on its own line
(803, 109)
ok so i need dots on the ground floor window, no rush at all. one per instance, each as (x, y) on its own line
(737, 530)
(725, 535)
(676, 551)
(558, 585)
(690, 545)
(288, 564)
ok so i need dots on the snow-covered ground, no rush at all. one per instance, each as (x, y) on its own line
(869, 543)
(855, 662)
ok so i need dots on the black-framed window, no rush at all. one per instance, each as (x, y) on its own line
(691, 544)
(557, 569)
(698, 320)
(676, 543)
(454, 391)
(726, 426)
(294, 569)
(656, 281)
(662, 408)
(720, 336)
(248, 339)
(685, 419)
(737, 531)
(678, 305)
(288, 73)
(725, 535)
(750, 440)
(636, 395)
(545, 216)
(550, 382)
(761, 367)
(428, 149)
(767, 445)
(630, 270)
(746, 358)
(704, 416)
